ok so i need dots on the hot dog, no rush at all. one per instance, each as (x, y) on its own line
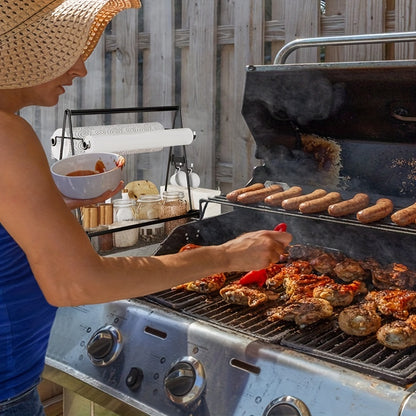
(276, 199)
(319, 204)
(292, 204)
(350, 206)
(405, 216)
(232, 196)
(252, 197)
(380, 210)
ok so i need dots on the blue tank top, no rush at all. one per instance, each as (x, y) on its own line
(25, 321)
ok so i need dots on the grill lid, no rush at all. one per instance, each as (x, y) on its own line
(367, 108)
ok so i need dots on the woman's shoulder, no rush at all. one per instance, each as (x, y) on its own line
(13, 121)
(13, 125)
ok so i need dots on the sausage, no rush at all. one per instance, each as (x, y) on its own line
(319, 204)
(380, 210)
(350, 206)
(292, 204)
(276, 199)
(405, 216)
(232, 196)
(252, 197)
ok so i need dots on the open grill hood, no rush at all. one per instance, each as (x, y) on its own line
(369, 109)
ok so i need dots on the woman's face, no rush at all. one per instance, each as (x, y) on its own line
(47, 94)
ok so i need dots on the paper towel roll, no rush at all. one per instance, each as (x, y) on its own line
(139, 142)
(103, 130)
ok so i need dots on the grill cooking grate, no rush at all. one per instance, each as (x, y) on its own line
(323, 340)
(362, 354)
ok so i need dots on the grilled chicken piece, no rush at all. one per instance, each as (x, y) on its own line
(348, 270)
(360, 320)
(294, 268)
(396, 302)
(247, 295)
(205, 285)
(340, 294)
(325, 263)
(300, 286)
(303, 312)
(398, 334)
(394, 276)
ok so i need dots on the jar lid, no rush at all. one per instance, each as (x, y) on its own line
(172, 195)
(124, 202)
(149, 198)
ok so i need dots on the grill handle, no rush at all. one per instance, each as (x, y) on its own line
(290, 47)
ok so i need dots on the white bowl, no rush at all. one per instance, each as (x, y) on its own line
(89, 186)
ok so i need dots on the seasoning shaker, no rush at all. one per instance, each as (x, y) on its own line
(124, 213)
(105, 212)
(149, 208)
(90, 219)
(173, 204)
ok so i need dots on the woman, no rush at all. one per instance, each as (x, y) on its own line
(46, 259)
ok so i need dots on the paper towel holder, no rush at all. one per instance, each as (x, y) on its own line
(177, 123)
(69, 113)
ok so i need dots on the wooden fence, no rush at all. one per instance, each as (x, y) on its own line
(194, 53)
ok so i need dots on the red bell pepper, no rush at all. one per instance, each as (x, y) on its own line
(260, 276)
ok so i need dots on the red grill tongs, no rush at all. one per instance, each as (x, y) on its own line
(260, 276)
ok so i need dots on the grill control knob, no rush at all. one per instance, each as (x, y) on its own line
(185, 381)
(287, 406)
(104, 346)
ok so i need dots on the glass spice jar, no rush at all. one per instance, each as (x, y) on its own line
(149, 208)
(173, 204)
(124, 213)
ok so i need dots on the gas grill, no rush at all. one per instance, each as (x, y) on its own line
(182, 353)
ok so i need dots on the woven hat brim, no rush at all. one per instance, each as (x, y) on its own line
(49, 43)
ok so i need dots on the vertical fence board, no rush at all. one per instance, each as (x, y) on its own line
(335, 8)
(159, 59)
(405, 13)
(124, 76)
(365, 16)
(224, 151)
(199, 76)
(302, 20)
(248, 36)
(92, 89)
(158, 78)
(277, 13)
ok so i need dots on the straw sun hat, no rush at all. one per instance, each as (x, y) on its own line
(41, 39)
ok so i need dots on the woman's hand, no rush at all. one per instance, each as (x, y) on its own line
(256, 250)
(78, 203)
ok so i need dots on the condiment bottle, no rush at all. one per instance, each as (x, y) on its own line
(148, 208)
(124, 213)
(173, 204)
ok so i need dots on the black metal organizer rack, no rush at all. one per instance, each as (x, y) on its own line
(173, 159)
